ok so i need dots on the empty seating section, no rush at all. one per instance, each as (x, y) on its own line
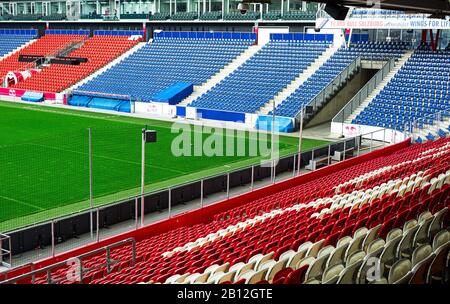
(165, 62)
(46, 45)
(239, 16)
(211, 16)
(321, 230)
(332, 67)
(263, 76)
(420, 88)
(99, 51)
(9, 43)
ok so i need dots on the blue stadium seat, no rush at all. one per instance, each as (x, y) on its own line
(165, 62)
(332, 67)
(9, 42)
(262, 77)
(420, 89)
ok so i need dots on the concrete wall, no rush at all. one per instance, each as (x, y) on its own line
(342, 97)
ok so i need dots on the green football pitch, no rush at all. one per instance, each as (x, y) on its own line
(44, 159)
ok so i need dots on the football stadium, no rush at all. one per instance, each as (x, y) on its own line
(225, 142)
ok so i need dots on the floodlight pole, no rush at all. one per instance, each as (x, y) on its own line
(300, 135)
(143, 178)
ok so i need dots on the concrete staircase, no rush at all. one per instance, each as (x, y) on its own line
(297, 82)
(380, 86)
(227, 70)
(106, 67)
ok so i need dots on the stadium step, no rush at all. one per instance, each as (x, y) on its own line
(381, 86)
(297, 82)
(106, 67)
(227, 70)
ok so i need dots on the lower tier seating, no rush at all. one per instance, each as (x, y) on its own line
(420, 89)
(99, 51)
(9, 43)
(325, 230)
(303, 95)
(270, 71)
(164, 63)
(47, 45)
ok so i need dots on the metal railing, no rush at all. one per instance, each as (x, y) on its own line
(76, 270)
(364, 92)
(330, 89)
(5, 253)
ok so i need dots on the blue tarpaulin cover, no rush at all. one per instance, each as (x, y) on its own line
(33, 96)
(175, 93)
(282, 124)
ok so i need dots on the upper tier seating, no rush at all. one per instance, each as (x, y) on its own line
(165, 62)
(98, 50)
(46, 45)
(159, 16)
(26, 17)
(9, 43)
(272, 15)
(239, 16)
(332, 67)
(184, 16)
(54, 17)
(261, 77)
(134, 16)
(420, 88)
(300, 15)
(211, 16)
(379, 195)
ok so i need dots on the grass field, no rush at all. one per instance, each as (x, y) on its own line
(44, 160)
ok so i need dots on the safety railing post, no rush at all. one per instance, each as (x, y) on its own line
(170, 201)
(53, 237)
(136, 213)
(252, 184)
(371, 141)
(201, 193)
(228, 184)
(98, 225)
(345, 149)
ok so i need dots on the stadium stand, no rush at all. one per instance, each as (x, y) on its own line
(324, 230)
(9, 42)
(299, 15)
(54, 17)
(133, 16)
(47, 45)
(291, 106)
(184, 16)
(419, 89)
(165, 62)
(211, 16)
(270, 70)
(239, 16)
(99, 50)
(159, 16)
(272, 15)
